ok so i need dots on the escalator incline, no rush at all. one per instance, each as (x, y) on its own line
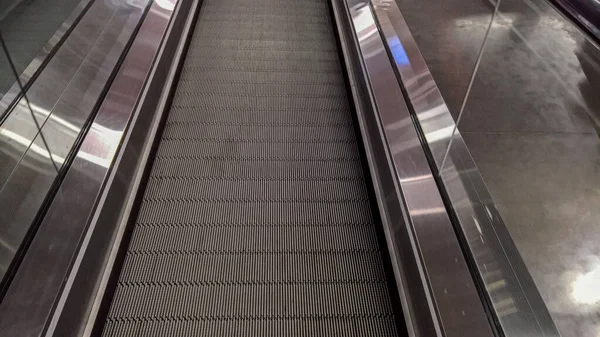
(256, 219)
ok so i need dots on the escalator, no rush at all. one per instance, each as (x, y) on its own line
(256, 217)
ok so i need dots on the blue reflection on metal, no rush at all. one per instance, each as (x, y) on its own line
(398, 51)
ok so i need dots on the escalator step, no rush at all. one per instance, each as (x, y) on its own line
(256, 219)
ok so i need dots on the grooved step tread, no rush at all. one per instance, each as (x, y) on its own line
(256, 218)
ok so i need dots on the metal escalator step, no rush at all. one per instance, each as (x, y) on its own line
(267, 326)
(189, 268)
(280, 77)
(256, 219)
(251, 213)
(264, 170)
(264, 55)
(263, 89)
(262, 66)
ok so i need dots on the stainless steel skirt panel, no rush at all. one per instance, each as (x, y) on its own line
(40, 300)
(509, 292)
(59, 103)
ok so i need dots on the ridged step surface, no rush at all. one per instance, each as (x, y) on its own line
(256, 219)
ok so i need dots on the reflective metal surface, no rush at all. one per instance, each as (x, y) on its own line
(456, 27)
(19, 129)
(510, 290)
(28, 307)
(434, 117)
(9, 97)
(584, 12)
(539, 158)
(90, 282)
(61, 100)
(451, 292)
